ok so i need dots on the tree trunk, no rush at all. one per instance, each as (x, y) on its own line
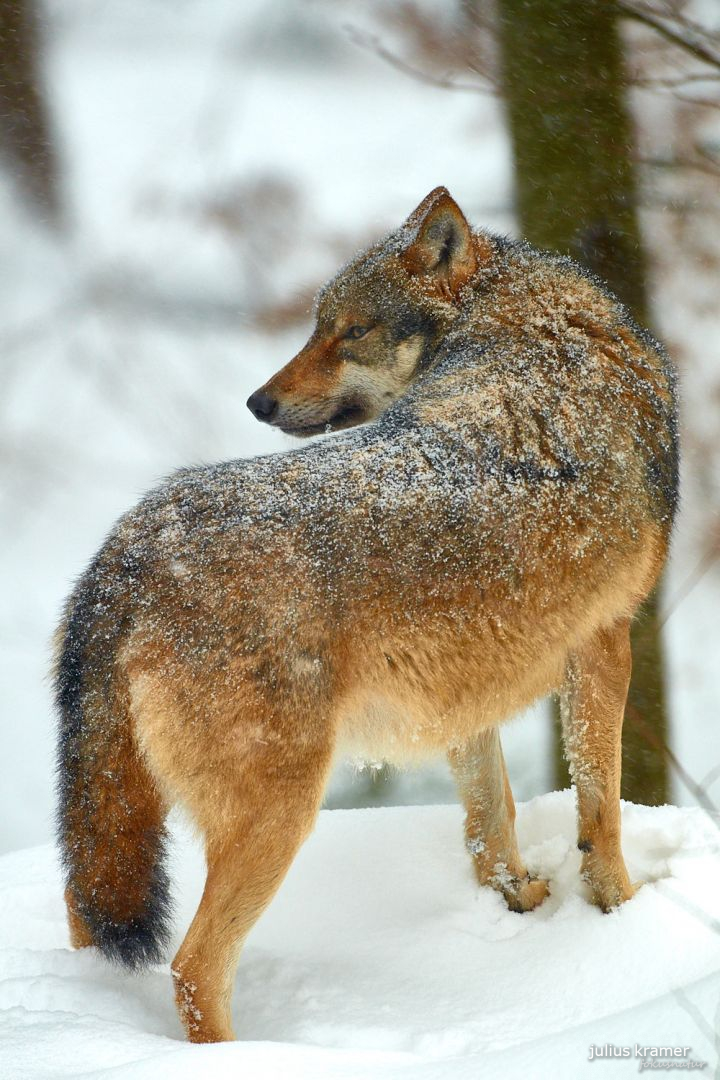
(25, 140)
(564, 89)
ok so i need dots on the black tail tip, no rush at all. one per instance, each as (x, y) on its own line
(136, 944)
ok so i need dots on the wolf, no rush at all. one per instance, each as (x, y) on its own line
(481, 534)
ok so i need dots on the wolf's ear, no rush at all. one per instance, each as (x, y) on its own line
(441, 245)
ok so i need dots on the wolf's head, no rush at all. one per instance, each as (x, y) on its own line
(378, 324)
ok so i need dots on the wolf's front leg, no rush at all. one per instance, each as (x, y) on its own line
(593, 704)
(255, 814)
(481, 777)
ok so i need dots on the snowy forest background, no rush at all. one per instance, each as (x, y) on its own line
(204, 165)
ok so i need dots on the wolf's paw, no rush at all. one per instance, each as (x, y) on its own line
(527, 894)
(610, 889)
(609, 898)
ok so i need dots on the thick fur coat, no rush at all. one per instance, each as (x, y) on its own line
(395, 591)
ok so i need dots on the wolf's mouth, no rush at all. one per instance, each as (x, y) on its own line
(347, 416)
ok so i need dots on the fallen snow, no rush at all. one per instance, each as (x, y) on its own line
(380, 957)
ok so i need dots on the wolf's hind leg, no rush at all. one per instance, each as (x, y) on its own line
(253, 831)
(593, 704)
(481, 777)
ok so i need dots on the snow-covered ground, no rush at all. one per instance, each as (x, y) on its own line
(381, 957)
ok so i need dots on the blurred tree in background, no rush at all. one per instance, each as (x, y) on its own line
(564, 87)
(25, 130)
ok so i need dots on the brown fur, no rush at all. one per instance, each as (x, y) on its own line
(397, 592)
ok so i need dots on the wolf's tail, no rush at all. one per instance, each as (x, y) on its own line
(110, 815)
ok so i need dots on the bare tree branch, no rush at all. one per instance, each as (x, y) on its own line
(705, 103)
(708, 168)
(371, 43)
(685, 34)
(674, 82)
(633, 717)
(704, 564)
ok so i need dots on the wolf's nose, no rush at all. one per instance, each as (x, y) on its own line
(261, 405)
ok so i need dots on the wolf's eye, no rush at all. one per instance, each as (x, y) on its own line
(357, 331)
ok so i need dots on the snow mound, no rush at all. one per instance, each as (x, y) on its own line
(380, 957)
